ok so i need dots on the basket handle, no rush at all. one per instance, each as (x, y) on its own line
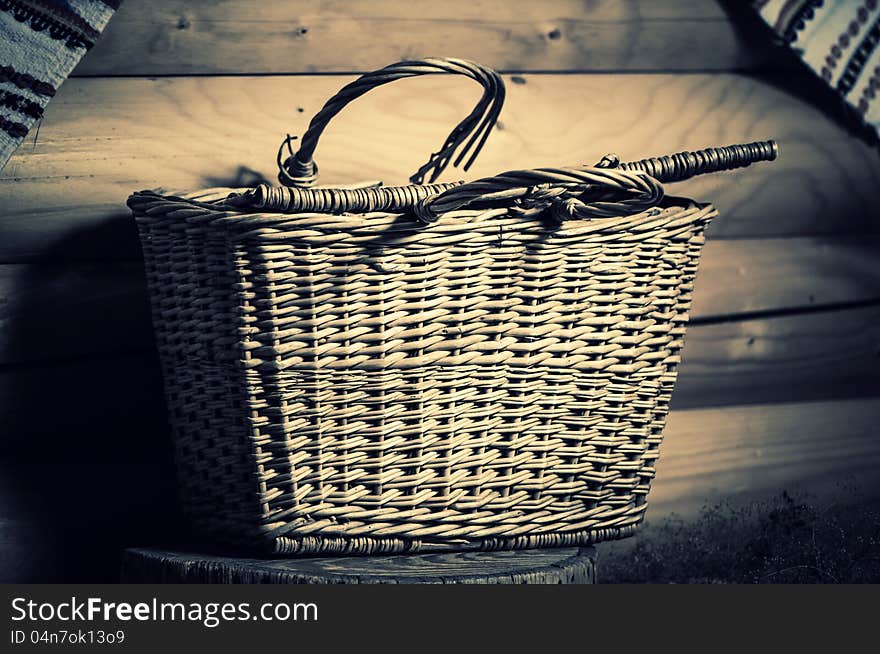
(610, 188)
(298, 169)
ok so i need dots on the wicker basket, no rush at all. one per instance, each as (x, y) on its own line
(426, 367)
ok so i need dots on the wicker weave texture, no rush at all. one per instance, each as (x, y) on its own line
(364, 384)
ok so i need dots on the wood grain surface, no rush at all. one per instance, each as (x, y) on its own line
(174, 37)
(727, 454)
(555, 566)
(800, 357)
(64, 190)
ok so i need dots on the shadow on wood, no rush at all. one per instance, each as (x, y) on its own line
(85, 456)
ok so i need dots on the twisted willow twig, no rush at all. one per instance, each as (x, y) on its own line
(610, 188)
(298, 169)
(291, 199)
(684, 165)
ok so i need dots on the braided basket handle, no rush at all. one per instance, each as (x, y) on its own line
(610, 188)
(298, 169)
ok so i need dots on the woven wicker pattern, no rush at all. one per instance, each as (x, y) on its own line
(487, 382)
(476, 366)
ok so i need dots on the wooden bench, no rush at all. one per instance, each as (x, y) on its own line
(553, 566)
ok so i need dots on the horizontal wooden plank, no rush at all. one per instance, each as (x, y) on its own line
(65, 188)
(732, 453)
(742, 276)
(57, 310)
(173, 37)
(813, 356)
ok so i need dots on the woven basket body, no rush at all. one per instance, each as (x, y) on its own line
(362, 383)
(425, 367)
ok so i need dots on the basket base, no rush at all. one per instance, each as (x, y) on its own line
(552, 566)
(371, 546)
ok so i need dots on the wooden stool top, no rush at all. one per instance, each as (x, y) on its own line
(551, 566)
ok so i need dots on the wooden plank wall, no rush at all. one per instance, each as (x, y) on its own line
(316, 36)
(181, 95)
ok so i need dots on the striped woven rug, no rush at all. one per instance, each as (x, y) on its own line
(40, 43)
(838, 40)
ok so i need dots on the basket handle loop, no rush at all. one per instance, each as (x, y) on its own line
(610, 188)
(570, 193)
(298, 169)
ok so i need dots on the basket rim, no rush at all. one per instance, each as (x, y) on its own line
(195, 207)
